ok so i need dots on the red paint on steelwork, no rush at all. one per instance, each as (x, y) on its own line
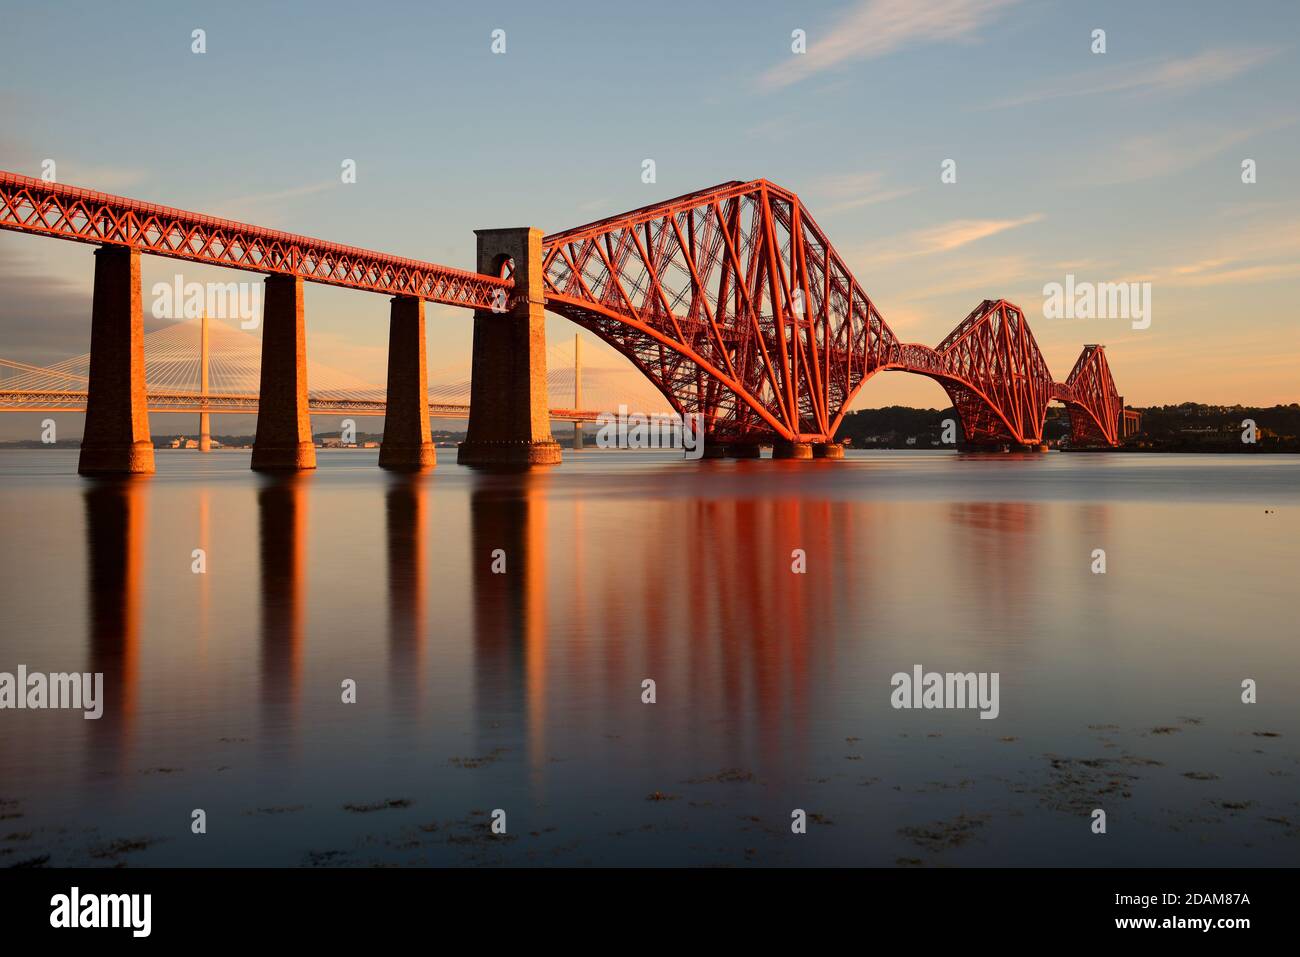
(735, 304)
(68, 212)
(731, 300)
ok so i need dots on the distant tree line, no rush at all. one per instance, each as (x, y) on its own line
(1188, 427)
(1194, 427)
(892, 426)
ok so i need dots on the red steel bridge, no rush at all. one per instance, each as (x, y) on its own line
(731, 300)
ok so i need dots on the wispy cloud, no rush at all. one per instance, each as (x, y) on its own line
(972, 278)
(1138, 158)
(922, 304)
(107, 179)
(1207, 265)
(1168, 75)
(44, 310)
(1256, 254)
(875, 28)
(957, 233)
(781, 129)
(261, 207)
(73, 172)
(1243, 274)
(851, 190)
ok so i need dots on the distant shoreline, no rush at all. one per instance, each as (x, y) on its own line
(28, 445)
(1189, 427)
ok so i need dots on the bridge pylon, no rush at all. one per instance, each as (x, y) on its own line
(408, 443)
(283, 442)
(116, 438)
(509, 415)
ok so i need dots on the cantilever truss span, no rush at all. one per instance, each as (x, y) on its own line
(731, 300)
(735, 304)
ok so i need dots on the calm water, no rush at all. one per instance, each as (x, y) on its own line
(478, 691)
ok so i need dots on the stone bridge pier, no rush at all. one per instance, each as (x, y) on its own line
(509, 414)
(408, 444)
(116, 438)
(284, 441)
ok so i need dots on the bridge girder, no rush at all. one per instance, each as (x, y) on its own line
(731, 300)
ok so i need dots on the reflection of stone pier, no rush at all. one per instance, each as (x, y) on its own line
(508, 525)
(115, 532)
(282, 551)
(405, 506)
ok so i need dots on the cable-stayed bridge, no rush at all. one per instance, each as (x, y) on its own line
(175, 357)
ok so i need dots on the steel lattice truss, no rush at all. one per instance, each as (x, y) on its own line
(734, 303)
(1092, 399)
(67, 212)
(731, 300)
(993, 371)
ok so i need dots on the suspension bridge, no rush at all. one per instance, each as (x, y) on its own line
(731, 301)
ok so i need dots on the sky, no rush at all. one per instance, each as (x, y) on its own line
(1115, 166)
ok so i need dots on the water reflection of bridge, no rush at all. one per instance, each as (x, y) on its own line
(742, 636)
(708, 607)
